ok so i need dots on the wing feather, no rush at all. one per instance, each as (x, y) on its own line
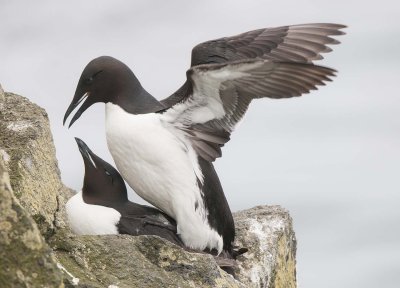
(302, 43)
(221, 94)
(229, 72)
(271, 43)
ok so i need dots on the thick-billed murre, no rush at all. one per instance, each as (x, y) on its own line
(102, 206)
(165, 149)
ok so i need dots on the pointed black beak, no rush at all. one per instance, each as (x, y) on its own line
(102, 181)
(88, 156)
(75, 103)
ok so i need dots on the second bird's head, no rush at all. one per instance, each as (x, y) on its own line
(102, 184)
(104, 79)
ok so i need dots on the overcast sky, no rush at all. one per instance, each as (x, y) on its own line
(332, 158)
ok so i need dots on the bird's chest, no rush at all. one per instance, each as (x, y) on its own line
(150, 157)
(86, 219)
(141, 138)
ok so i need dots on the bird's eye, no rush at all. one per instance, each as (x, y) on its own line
(90, 79)
(108, 174)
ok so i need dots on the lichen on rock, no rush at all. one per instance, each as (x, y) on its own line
(271, 259)
(2, 96)
(25, 258)
(26, 145)
(154, 262)
(144, 261)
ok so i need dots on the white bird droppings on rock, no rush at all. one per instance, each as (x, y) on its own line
(4, 155)
(19, 126)
(74, 280)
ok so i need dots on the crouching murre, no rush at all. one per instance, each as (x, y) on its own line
(102, 207)
(165, 149)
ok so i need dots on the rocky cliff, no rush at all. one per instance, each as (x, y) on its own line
(38, 250)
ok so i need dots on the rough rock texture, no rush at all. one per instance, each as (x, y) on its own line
(26, 146)
(268, 233)
(145, 261)
(27, 153)
(2, 96)
(265, 230)
(25, 258)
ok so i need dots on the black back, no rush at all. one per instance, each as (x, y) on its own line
(219, 213)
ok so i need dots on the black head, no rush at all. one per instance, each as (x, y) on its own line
(104, 79)
(102, 185)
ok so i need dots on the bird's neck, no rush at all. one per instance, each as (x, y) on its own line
(101, 197)
(135, 99)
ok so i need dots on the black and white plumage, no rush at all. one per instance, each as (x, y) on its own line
(164, 150)
(102, 206)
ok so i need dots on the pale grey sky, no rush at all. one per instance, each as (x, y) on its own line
(331, 157)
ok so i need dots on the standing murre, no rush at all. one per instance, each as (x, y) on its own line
(102, 207)
(165, 149)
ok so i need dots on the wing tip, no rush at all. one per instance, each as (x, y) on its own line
(321, 25)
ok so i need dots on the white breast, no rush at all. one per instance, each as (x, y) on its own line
(159, 164)
(86, 219)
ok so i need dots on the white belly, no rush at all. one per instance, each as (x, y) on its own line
(156, 162)
(86, 219)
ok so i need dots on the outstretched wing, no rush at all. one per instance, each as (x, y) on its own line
(220, 94)
(298, 43)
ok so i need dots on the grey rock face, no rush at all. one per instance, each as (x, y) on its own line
(142, 261)
(271, 260)
(26, 146)
(25, 258)
(27, 152)
(2, 97)
(149, 261)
